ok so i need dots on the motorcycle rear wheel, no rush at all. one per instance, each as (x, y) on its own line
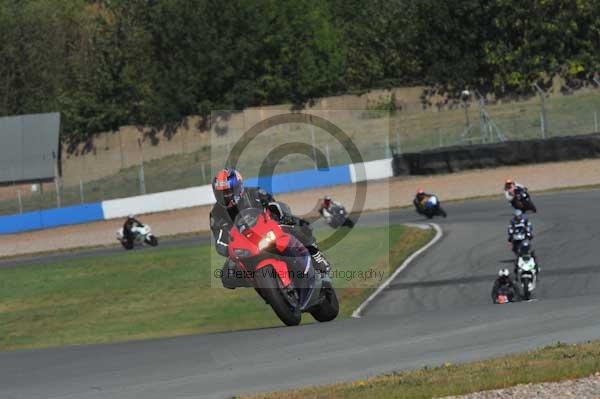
(532, 207)
(127, 245)
(266, 282)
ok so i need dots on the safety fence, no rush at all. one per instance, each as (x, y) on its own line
(136, 161)
(191, 197)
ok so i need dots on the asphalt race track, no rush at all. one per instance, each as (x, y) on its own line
(439, 310)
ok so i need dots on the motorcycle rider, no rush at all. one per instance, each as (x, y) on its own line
(525, 250)
(326, 205)
(510, 189)
(128, 227)
(231, 196)
(420, 199)
(503, 282)
(519, 220)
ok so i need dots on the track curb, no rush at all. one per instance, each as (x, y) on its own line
(357, 314)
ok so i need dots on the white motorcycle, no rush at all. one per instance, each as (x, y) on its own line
(527, 275)
(142, 235)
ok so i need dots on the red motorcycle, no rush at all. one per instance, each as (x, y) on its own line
(285, 278)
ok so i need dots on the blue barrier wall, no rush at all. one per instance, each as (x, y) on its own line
(302, 180)
(17, 223)
(51, 218)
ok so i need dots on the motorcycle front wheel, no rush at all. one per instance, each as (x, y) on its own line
(329, 308)
(266, 282)
(152, 241)
(526, 292)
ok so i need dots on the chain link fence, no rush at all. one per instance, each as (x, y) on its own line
(149, 162)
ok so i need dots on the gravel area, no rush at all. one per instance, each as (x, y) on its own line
(379, 195)
(584, 388)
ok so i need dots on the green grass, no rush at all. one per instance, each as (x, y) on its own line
(550, 364)
(403, 131)
(165, 292)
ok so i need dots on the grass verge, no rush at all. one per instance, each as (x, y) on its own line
(550, 364)
(168, 292)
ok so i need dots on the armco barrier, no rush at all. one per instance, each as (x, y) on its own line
(454, 159)
(51, 218)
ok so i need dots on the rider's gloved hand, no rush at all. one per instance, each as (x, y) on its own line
(264, 197)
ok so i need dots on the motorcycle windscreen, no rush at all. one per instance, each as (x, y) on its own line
(247, 219)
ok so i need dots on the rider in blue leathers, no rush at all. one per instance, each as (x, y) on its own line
(519, 220)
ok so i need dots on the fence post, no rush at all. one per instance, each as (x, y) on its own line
(57, 184)
(203, 173)
(542, 126)
(314, 144)
(81, 190)
(121, 149)
(595, 121)
(20, 200)
(142, 178)
(388, 148)
(467, 121)
(327, 154)
(544, 118)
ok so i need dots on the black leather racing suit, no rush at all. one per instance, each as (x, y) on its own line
(129, 224)
(506, 284)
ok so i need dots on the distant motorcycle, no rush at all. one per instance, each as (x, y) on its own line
(526, 275)
(518, 237)
(432, 207)
(142, 235)
(522, 200)
(338, 217)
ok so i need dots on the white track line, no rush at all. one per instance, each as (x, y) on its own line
(438, 234)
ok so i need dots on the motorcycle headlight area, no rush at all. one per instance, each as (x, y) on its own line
(266, 241)
(241, 253)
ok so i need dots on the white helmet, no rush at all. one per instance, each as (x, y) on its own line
(503, 272)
